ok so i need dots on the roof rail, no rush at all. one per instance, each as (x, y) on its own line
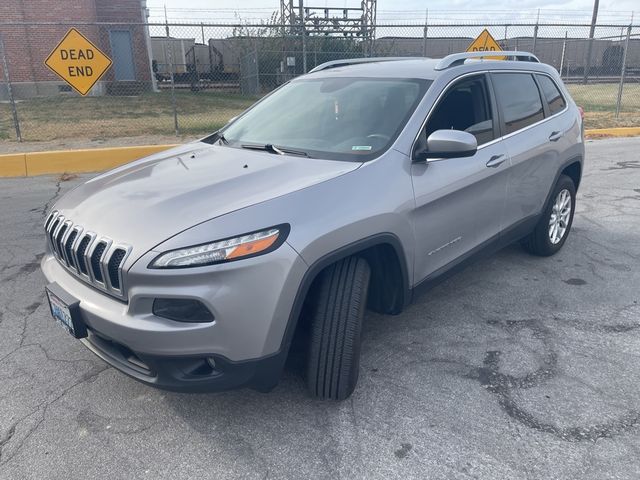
(456, 59)
(352, 61)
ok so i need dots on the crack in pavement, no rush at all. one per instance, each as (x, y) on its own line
(503, 385)
(25, 269)
(53, 199)
(43, 408)
(7, 438)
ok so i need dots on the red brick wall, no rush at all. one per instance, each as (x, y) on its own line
(27, 46)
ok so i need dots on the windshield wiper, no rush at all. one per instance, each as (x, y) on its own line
(222, 140)
(274, 149)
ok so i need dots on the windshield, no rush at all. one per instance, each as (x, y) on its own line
(333, 118)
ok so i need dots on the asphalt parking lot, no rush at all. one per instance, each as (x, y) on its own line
(518, 367)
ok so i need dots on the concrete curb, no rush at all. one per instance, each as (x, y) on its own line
(612, 132)
(99, 159)
(72, 161)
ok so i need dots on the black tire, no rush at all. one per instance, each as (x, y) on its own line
(336, 324)
(539, 242)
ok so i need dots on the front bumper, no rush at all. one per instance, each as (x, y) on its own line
(187, 374)
(251, 301)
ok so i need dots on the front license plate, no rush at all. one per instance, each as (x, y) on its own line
(66, 315)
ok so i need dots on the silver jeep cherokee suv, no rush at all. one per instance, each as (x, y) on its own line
(348, 188)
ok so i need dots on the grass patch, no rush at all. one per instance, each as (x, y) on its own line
(599, 103)
(61, 117)
(55, 118)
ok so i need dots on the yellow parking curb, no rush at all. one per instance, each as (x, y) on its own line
(613, 132)
(98, 159)
(13, 165)
(72, 161)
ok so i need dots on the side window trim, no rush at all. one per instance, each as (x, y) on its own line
(498, 130)
(543, 98)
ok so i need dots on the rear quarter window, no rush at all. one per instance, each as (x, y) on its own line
(552, 94)
(519, 100)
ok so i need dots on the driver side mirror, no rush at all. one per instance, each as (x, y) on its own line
(447, 144)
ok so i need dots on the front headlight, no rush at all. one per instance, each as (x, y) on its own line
(236, 248)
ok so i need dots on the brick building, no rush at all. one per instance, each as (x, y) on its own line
(32, 28)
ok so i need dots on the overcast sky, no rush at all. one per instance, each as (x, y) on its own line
(405, 10)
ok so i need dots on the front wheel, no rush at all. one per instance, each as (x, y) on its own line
(336, 323)
(553, 228)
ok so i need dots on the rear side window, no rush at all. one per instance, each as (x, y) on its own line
(519, 99)
(551, 94)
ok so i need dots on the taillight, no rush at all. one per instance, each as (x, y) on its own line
(581, 110)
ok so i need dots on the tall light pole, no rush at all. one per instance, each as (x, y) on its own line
(592, 31)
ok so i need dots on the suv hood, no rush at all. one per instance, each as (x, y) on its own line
(145, 202)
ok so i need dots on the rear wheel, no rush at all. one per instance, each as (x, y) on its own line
(553, 228)
(336, 324)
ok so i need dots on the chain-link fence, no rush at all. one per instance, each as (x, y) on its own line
(190, 79)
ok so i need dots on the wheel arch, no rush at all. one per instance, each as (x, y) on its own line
(574, 171)
(387, 260)
(389, 287)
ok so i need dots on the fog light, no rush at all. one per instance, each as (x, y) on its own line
(182, 310)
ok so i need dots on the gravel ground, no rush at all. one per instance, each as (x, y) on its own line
(518, 367)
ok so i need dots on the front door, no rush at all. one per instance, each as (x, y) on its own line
(459, 202)
(122, 54)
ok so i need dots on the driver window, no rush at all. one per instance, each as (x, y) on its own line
(464, 107)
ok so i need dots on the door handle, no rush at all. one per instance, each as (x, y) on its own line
(555, 136)
(496, 161)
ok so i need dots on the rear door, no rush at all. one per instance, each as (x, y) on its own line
(533, 132)
(459, 201)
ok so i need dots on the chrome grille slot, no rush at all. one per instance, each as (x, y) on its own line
(68, 247)
(114, 266)
(48, 222)
(95, 260)
(52, 232)
(58, 241)
(96, 257)
(80, 254)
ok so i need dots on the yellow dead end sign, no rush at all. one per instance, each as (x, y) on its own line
(485, 43)
(78, 61)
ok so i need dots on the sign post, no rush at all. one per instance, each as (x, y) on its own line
(78, 62)
(485, 43)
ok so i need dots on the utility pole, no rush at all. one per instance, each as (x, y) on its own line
(592, 31)
(166, 21)
(535, 33)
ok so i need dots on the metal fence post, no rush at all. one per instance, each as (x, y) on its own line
(257, 60)
(173, 89)
(426, 34)
(14, 110)
(622, 71)
(303, 33)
